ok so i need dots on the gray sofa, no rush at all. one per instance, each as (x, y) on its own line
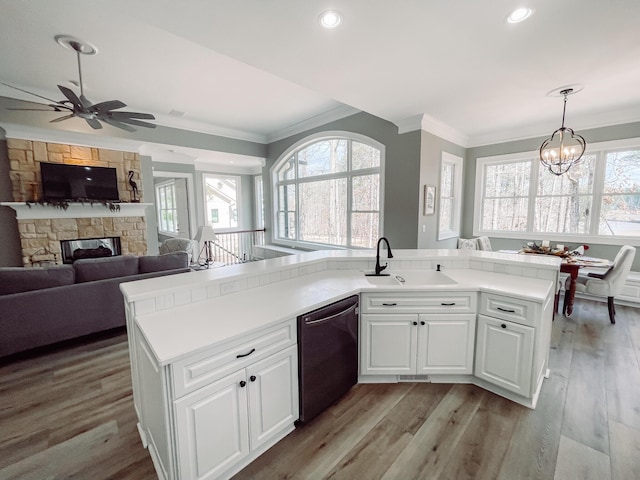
(42, 306)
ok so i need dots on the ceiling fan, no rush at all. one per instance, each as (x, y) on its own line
(81, 107)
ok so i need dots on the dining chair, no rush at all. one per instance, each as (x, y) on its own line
(607, 284)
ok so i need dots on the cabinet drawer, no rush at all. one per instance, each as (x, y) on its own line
(507, 308)
(210, 365)
(422, 302)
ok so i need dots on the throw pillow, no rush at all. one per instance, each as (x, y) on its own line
(467, 243)
(484, 244)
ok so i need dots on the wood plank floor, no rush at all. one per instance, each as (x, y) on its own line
(69, 414)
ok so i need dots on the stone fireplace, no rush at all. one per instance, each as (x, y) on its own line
(43, 227)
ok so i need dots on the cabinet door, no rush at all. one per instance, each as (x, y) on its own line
(212, 427)
(445, 343)
(388, 344)
(273, 395)
(504, 354)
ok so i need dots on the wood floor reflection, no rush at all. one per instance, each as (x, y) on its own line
(69, 414)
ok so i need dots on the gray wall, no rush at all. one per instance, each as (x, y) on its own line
(402, 173)
(10, 249)
(618, 132)
(431, 149)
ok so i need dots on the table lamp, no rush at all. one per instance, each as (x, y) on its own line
(206, 234)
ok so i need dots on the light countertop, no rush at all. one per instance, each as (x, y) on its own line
(183, 330)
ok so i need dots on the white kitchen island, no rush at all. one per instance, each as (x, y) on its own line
(214, 357)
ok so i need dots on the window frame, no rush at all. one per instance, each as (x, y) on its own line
(239, 206)
(167, 184)
(348, 174)
(455, 211)
(600, 151)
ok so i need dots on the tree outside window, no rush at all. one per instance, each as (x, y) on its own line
(598, 197)
(328, 192)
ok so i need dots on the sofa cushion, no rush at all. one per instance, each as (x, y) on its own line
(20, 279)
(92, 269)
(158, 263)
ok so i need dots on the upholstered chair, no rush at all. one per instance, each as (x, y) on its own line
(607, 284)
(171, 245)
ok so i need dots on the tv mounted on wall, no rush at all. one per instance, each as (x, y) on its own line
(70, 182)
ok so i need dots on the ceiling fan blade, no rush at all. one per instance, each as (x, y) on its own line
(85, 102)
(72, 97)
(108, 105)
(93, 123)
(59, 119)
(138, 115)
(117, 124)
(30, 93)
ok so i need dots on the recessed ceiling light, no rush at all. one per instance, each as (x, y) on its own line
(330, 19)
(519, 15)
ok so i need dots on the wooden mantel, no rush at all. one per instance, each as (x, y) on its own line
(75, 210)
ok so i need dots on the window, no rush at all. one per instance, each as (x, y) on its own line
(598, 198)
(222, 201)
(166, 204)
(258, 193)
(328, 192)
(450, 196)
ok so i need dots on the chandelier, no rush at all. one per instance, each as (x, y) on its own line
(564, 147)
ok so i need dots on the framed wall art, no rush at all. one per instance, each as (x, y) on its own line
(429, 199)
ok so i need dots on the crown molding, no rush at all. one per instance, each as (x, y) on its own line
(584, 122)
(25, 132)
(435, 127)
(341, 111)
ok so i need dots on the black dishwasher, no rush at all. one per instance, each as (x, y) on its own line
(327, 355)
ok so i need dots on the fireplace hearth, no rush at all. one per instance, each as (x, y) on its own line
(89, 248)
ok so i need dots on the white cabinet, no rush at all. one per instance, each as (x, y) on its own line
(212, 428)
(445, 343)
(397, 342)
(220, 424)
(388, 344)
(209, 414)
(504, 354)
(512, 343)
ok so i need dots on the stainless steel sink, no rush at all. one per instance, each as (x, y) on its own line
(412, 277)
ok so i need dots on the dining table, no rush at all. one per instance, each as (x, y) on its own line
(571, 265)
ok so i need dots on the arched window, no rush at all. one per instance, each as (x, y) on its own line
(328, 191)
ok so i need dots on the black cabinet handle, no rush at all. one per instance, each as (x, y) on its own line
(422, 323)
(246, 354)
(242, 383)
(503, 326)
(415, 323)
(448, 304)
(505, 310)
(389, 304)
(252, 378)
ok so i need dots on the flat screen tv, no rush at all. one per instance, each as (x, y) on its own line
(71, 182)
